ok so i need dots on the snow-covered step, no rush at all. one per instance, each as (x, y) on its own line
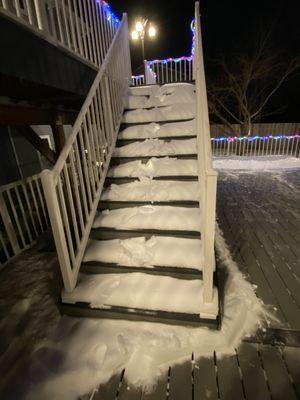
(157, 147)
(150, 217)
(140, 252)
(162, 96)
(142, 295)
(175, 112)
(154, 130)
(149, 190)
(155, 167)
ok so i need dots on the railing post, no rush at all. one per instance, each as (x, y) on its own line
(146, 72)
(208, 235)
(41, 14)
(8, 225)
(108, 108)
(58, 229)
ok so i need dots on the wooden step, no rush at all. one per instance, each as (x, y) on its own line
(115, 204)
(82, 309)
(112, 233)
(127, 124)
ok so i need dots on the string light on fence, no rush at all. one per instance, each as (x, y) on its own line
(252, 138)
(110, 16)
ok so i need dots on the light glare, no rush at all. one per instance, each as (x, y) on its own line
(134, 35)
(152, 31)
(139, 26)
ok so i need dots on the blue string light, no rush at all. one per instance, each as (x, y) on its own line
(110, 16)
(252, 138)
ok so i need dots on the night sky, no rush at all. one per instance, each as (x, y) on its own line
(228, 26)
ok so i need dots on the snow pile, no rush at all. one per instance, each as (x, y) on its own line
(157, 147)
(175, 112)
(147, 189)
(150, 217)
(155, 130)
(138, 252)
(155, 167)
(94, 350)
(261, 163)
(162, 96)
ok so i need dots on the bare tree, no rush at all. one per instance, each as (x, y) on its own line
(246, 83)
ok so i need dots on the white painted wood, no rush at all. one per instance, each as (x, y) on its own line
(73, 187)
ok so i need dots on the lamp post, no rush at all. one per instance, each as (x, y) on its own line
(140, 31)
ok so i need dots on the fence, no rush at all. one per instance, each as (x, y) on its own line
(137, 80)
(256, 145)
(73, 187)
(169, 70)
(23, 216)
(83, 27)
(207, 175)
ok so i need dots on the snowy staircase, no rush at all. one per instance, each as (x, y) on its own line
(144, 259)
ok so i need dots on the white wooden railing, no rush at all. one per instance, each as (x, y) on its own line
(257, 146)
(137, 80)
(83, 27)
(23, 216)
(169, 70)
(207, 175)
(72, 189)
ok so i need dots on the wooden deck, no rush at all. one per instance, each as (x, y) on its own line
(260, 217)
(255, 372)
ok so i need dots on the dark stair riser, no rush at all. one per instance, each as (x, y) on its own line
(110, 233)
(81, 309)
(94, 267)
(120, 180)
(113, 205)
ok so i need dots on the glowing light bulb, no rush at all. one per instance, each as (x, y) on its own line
(152, 31)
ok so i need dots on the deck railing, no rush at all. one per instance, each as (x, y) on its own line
(83, 27)
(207, 175)
(72, 189)
(256, 146)
(137, 80)
(169, 70)
(23, 216)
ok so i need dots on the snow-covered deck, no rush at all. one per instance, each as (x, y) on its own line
(259, 213)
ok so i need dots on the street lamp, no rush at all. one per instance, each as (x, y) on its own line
(140, 31)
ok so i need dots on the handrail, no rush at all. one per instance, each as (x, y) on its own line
(83, 28)
(207, 175)
(74, 185)
(23, 216)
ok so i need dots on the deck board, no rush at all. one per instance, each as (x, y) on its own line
(262, 214)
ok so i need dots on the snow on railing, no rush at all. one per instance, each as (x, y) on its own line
(23, 216)
(256, 145)
(72, 189)
(85, 28)
(137, 80)
(169, 70)
(207, 175)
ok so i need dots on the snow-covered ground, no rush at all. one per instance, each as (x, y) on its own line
(261, 163)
